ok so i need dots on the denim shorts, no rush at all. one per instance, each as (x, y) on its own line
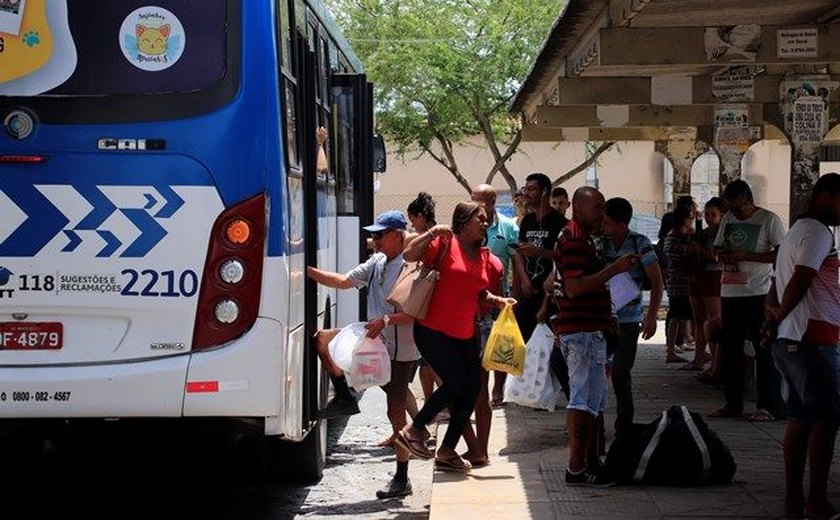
(586, 356)
(810, 379)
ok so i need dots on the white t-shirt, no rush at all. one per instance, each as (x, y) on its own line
(380, 275)
(760, 233)
(811, 244)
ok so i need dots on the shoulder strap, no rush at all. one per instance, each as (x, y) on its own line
(701, 444)
(444, 250)
(635, 237)
(641, 469)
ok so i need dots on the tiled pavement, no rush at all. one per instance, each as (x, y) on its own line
(529, 454)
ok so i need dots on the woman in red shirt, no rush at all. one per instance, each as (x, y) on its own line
(446, 338)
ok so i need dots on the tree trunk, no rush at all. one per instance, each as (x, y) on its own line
(584, 165)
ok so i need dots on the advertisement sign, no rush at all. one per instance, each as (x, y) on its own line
(797, 43)
(733, 87)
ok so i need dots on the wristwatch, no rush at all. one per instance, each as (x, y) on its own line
(386, 320)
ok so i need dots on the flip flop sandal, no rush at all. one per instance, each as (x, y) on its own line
(475, 462)
(759, 416)
(705, 377)
(723, 413)
(454, 464)
(691, 366)
(416, 447)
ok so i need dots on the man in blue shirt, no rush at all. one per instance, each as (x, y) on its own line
(620, 241)
(503, 233)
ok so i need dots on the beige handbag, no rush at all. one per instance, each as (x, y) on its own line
(413, 289)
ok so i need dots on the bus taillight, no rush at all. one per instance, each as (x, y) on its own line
(23, 159)
(230, 288)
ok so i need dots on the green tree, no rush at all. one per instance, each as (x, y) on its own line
(447, 70)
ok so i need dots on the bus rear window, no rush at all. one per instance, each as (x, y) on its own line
(103, 47)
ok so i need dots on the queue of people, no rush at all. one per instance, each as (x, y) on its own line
(719, 280)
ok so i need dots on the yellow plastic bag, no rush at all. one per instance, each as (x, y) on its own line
(505, 349)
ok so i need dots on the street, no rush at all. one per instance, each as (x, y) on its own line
(122, 469)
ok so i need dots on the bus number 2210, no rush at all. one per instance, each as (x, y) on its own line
(167, 284)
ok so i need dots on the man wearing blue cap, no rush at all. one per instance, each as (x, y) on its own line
(379, 274)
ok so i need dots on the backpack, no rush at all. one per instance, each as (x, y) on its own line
(646, 284)
(677, 449)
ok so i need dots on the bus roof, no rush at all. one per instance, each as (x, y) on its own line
(327, 19)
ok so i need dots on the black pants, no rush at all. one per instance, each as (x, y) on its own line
(623, 361)
(457, 363)
(741, 320)
(526, 313)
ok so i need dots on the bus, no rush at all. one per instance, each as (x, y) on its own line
(160, 203)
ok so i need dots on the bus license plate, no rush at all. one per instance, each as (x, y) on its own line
(31, 335)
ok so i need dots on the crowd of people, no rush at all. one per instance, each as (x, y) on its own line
(738, 288)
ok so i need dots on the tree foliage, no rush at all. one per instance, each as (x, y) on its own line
(447, 70)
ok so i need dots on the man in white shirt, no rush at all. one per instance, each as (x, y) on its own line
(803, 313)
(379, 274)
(746, 244)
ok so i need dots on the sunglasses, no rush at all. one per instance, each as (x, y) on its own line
(379, 234)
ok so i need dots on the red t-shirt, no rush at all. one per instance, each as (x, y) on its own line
(454, 304)
(496, 272)
(575, 256)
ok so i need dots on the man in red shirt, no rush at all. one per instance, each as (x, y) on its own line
(584, 310)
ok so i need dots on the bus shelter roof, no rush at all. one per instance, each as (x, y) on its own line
(646, 69)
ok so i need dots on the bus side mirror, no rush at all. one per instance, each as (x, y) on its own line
(379, 162)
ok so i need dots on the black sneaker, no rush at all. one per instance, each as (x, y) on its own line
(339, 407)
(601, 479)
(394, 489)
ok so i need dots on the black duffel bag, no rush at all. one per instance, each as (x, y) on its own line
(678, 449)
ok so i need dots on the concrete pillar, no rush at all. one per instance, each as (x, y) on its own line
(682, 154)
(732, 137)
(805, 111)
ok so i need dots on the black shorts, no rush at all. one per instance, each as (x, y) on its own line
(397, 388)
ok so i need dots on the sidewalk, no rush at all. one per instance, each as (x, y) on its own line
(529, 452)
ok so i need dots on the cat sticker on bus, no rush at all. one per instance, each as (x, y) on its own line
(152, 38)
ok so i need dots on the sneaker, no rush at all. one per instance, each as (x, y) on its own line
(394, 489)
(339, 407)
(600, 479)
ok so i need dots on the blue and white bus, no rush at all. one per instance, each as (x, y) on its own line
(160, 204)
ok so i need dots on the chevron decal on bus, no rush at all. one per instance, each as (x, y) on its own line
(127, 221)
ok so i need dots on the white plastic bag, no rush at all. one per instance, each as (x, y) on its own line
(535, 388)
(342, 345)
(371, 364)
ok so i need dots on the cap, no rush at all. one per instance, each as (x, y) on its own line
(388, 220)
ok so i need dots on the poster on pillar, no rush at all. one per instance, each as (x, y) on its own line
(732, 138)
(805, 105)
(810, 120)
(805, 109)
(732, 125)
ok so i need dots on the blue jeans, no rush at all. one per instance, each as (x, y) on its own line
(810, 379)
(586, 356)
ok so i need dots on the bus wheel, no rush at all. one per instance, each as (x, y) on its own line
(306, 459)
(277, 460)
